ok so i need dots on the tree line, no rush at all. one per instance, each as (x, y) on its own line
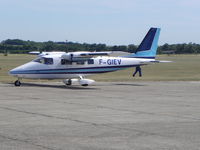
(21, 46)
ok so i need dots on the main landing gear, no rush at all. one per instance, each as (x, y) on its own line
(69, 82)
(81, 81)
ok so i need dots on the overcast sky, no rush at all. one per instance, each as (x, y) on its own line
(113, 22)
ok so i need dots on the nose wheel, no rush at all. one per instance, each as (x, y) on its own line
(17, 83)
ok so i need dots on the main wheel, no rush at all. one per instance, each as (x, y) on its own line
(17, 83)
(69, 82)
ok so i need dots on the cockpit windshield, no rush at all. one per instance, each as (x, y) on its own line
(43, 60)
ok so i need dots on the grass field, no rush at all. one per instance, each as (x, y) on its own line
(183, 68)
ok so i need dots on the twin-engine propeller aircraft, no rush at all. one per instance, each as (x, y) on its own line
(74, 66)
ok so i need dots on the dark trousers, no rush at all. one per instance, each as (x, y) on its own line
(138, 69)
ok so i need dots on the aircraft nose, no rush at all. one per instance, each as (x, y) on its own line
(21, 70)
(13, 71)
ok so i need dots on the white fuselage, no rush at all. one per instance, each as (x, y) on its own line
(54, 68)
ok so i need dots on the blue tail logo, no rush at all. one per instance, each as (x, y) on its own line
(148, 46)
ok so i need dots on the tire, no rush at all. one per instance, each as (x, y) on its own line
(17, 83)
(69, 82)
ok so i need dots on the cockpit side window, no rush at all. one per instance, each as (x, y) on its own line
(47, 61)
(39, 60)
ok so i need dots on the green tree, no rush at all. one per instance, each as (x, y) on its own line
(132, 48)
(48, 46)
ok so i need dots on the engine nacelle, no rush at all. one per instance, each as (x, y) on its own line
(86, 82)
(67, 56)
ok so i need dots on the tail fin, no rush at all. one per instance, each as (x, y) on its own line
(148, 46)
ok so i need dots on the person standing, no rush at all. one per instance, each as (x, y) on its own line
(137, 69)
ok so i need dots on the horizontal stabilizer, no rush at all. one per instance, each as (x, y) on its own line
(161, 61)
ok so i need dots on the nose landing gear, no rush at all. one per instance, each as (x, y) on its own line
(17, 82)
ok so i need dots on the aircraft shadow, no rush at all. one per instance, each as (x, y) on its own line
(73, 87)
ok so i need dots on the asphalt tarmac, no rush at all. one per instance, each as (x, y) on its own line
(105, 116)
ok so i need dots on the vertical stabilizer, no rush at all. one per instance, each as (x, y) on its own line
(148, 46)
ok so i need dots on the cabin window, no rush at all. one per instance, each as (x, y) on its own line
(80, 62)
(91, 61)
(65, 62)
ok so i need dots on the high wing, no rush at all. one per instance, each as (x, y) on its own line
(40, 54)
(70, 55)
(82, 56)
(92, 54)
(34, 52)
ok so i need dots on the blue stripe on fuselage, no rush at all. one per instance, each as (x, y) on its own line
(87, 70)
